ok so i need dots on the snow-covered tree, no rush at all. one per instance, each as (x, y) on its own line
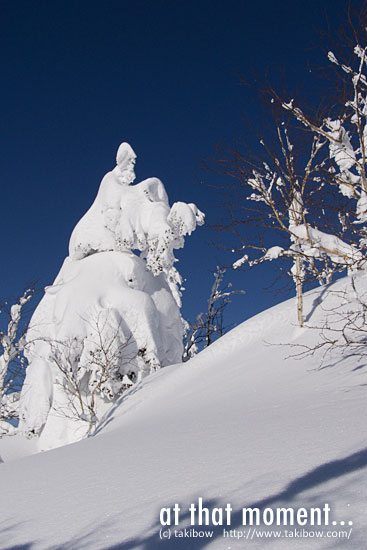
(306, 192)
(344, 130)
(12, 361)
(113, 313)
(271, 201)
(346, 136)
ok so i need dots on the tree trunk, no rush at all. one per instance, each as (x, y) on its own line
(299, 291)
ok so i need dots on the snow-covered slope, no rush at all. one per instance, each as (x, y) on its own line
(239, 424)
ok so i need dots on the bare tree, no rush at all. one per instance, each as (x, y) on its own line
(210, 325)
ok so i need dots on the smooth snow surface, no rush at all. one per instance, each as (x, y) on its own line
(237, 424)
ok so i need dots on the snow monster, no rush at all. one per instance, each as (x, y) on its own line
(112, 315)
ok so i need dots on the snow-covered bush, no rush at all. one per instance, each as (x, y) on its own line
(113, 312)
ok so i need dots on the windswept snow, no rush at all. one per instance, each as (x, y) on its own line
(241, 423)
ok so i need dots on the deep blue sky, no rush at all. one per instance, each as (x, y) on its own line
(77, 78)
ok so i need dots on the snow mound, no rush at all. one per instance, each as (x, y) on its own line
(243, 423)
